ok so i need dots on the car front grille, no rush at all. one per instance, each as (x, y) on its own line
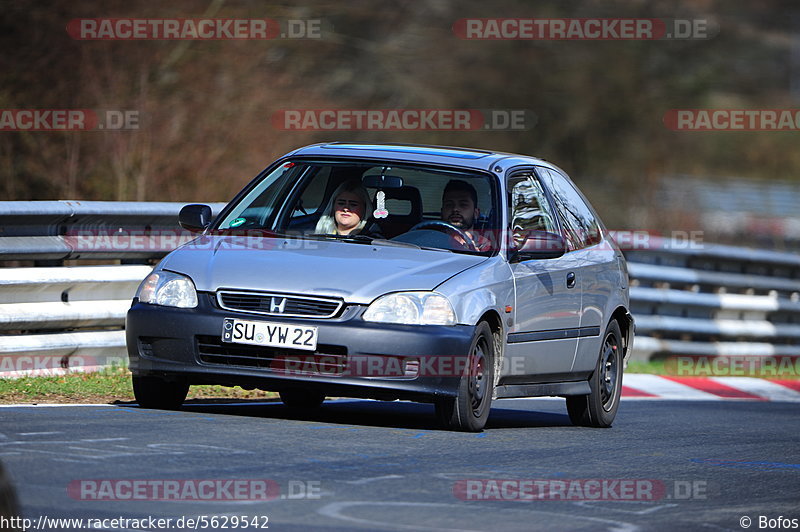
(275, 304)
(326, 360)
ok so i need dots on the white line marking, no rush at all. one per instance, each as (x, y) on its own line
(335, 510)
(650, 509)
(45, 405)
(370, 479)
(260, 403)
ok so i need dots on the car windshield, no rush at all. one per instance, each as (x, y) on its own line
(365, 202)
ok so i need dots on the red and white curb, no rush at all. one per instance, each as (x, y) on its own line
(641, 386)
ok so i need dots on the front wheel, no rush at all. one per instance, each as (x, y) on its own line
(156, 392)
(469, 410)
(599, 408)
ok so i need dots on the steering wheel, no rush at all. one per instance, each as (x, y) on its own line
(444, 227)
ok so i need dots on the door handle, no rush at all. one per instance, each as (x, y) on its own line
(571, 280)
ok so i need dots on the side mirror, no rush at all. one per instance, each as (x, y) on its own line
(542, 245)
(195, 218)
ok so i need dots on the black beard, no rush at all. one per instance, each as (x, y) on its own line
(463, 226)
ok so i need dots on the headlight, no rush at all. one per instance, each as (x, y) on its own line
(412, 308)
(168, 289)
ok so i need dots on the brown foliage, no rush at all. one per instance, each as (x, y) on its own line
(205, 107)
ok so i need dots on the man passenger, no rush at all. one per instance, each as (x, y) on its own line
(460, 209)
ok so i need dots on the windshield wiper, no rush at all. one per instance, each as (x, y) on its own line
(395, 243)
(358, 239)
(247, 232)
(364, 239)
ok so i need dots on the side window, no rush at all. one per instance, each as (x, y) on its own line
(528, 208)
(258, 206)
(312, 198)
(580, 225)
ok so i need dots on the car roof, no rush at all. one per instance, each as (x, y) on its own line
(439, 155)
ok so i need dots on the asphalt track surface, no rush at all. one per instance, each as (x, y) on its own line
(370, 465)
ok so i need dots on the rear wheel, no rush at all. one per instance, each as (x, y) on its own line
(302, 399)
(469, 410)
(599, 408)
(157, 392)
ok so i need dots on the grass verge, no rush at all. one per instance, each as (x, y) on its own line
(653, 368)
(108, 386)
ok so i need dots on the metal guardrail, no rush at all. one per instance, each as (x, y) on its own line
(687, 299)
(73, 230)
(714, 300)
(53, 316)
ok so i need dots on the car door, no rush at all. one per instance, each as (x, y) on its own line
(594, 264)
(542, 340)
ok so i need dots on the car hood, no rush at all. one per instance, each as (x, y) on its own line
(358, 273)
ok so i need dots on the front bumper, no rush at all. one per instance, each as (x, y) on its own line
(354, 358)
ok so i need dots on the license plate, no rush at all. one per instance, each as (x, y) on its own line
(269, 334)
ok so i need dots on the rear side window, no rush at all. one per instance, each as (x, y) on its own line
(581, 228)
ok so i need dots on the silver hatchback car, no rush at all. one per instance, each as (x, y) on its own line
(443, 275)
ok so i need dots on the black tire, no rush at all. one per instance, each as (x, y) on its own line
(9, 506)
(156, 392)
(298, 399)
(599, 408)
(469, 410)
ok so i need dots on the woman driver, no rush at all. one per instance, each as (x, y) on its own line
(347, 212)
